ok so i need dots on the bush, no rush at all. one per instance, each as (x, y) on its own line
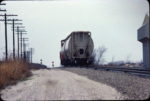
(11, 71)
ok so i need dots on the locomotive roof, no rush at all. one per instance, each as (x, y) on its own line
(81, 32)
(74, 33)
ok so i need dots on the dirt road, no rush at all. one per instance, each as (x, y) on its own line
(59, 85)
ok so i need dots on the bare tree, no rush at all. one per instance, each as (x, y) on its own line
(98, 55)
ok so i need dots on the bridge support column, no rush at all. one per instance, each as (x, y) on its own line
(144, 37)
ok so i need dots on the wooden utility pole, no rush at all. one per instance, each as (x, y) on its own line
(6, 44)
(18, 37)
(18, 40)
(24, 48)
(14, 39)
(31, 53)
(13, 23)
(13, 30)
(21, 43)
(18, 27)
(2, 10)
(41, 61)
(19, 33)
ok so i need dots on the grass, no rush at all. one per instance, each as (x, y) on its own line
(13, 71)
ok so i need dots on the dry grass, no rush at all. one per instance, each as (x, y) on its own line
(12, 71)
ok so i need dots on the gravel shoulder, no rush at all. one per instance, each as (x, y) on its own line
(134, 87)
(58, 84)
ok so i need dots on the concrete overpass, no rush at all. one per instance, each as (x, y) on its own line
(144, 37)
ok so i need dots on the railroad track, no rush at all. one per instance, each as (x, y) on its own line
(136, 71)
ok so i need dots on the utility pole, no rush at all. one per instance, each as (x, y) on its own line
(31, 52)
(6, 44)
(17, 29)
(6, 47)
(21, 43)
(2, 10)
(14, 38)
(18, 37)
(18, 40)
(41, 61)
(24, 48)
(13, 27)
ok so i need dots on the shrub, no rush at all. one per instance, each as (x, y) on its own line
(11, 71)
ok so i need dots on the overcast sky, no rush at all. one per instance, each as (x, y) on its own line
(113, 24)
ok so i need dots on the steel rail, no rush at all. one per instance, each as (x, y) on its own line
(141, 72)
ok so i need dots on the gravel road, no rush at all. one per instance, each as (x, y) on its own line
(59, 85)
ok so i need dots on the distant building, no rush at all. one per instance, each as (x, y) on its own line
(144, 37)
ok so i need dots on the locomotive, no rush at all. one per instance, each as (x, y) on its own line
(77, 48)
